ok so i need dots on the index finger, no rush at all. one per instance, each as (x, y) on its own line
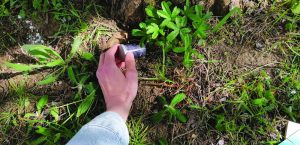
(110, 54)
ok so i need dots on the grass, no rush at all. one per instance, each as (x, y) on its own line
(208, 106)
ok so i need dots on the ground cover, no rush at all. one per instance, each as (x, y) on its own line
(206, 79)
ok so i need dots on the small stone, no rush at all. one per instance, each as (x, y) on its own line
(221, 142)
(222, 99)
(194, 136)
(259, 46)
(293, 92)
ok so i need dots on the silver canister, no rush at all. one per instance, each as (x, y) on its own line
(135, 49)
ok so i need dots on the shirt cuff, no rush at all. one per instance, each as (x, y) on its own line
(112, 121)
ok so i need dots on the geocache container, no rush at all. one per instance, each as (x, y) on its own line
(137, 51)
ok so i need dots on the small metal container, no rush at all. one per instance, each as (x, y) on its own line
(135, 49)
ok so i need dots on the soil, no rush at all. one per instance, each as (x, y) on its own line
(230, 60)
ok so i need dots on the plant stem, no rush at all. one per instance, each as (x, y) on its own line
(164, 61)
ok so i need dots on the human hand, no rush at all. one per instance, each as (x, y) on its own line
(119, 88)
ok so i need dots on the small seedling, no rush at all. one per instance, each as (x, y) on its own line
(170, 110)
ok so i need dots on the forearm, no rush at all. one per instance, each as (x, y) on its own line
(107, 128)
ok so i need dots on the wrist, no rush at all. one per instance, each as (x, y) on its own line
(122, 111)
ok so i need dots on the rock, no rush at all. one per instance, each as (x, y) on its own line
(259, 46)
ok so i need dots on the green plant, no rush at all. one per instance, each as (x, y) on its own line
(46, 58)
(6, 6)
(78, 76)
(178, 30)
(170, 110)
(288, 11)
(138, 132)
(174, 30)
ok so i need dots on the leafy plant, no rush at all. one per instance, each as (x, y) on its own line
(289, 11)
(175, 29)
(138, 132)
(170, 110)
(46, 57)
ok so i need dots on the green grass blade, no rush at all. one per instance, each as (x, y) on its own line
(223, 21)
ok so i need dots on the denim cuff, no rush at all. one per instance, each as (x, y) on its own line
(112, 121)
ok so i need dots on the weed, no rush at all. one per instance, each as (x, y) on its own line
(138, 132)
(46, 58)
(175, 29)
(170, 111)
(288, 11)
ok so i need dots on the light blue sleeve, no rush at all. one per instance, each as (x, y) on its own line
(106, 129)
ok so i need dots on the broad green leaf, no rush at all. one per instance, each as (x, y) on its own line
(161, 31)
(36, 4)
(41, 103)
(180, 116)
(179, 22)
(57, 137)
(43, 131)
(39, 53)
(48, 80)
(260, 102)
(171, 25)
(75, 46)
(296, 8)
(178, 49)
(150, 11)
(166, 8)
(187, 40)
(163, 14)
(201, 31)
(83, 79)
(197, 54)
(152, 28)
(38, 141)
(37, 50)
(54, 111)
(71, 75)
(85, 104)
(157, 117)
(185, 30)
(90, 87)
(137, 32)
(269, 95)
(88, 56)
(55, 63)
(260, 89)
(198, 10)
(223, 21)
(20, 67)
(175, 12)
(178, 98)
(154, 35)
(171, 110)
(187, 3)
(164, 22)
(142, 25)
(172, 35)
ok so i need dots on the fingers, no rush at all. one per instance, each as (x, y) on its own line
(130, 63)
(110, 54)
(131, 72)
(101, 60)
